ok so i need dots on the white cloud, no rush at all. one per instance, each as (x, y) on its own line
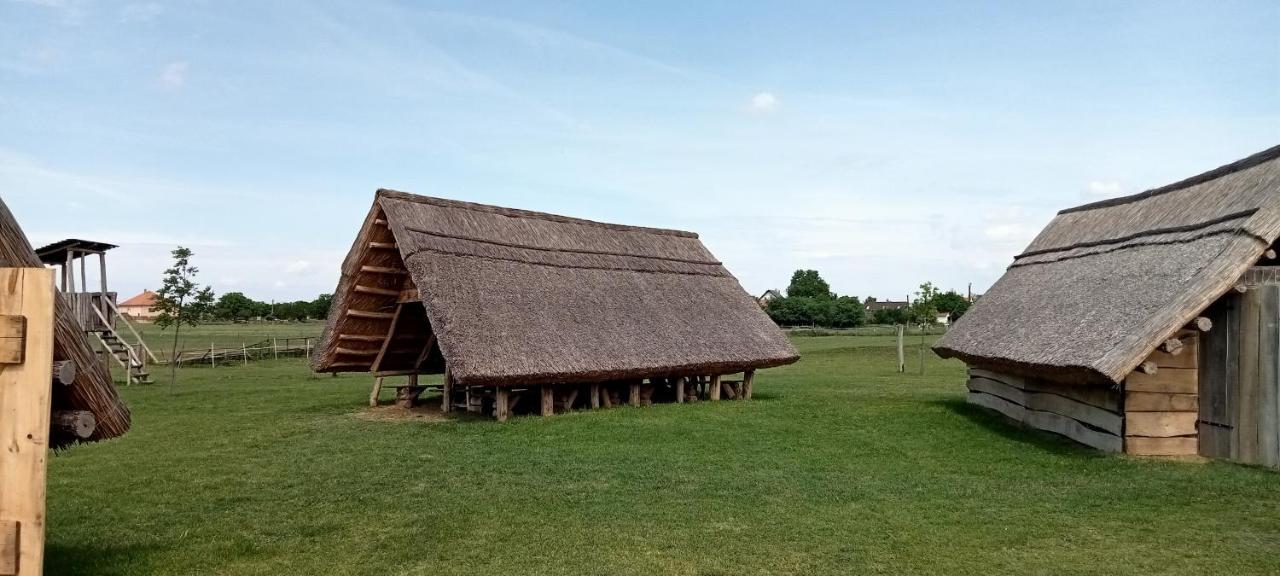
(1016, 231)
(1105, 188)
(174, 75)
(764, 102)
(297, 267)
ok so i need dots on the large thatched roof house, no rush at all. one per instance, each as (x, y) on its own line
(505, 301)
(1097, 330)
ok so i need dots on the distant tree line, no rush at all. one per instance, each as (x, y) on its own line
(235, 306)
(809, 301)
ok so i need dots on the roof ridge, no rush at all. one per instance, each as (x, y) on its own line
(519, 213)
(426, 232)
(1149, 232)
(1267, 155)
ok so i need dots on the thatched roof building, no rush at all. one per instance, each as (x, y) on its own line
(518, 298)
(1106, 284)
(92, 388)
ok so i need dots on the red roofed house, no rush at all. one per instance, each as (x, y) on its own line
(140, 307)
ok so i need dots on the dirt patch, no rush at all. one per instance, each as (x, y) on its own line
(393, 413)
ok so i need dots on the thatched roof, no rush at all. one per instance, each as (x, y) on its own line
(519, 297)
(93, 389)
(1107, 282)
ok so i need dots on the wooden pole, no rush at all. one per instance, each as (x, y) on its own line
(548, 400)
(680, 390)
(213, 360)
(275, 350)
(446, 395)
(902, 358)
(244, 351)
(595, 395)
(78, 424)
(633, 398)
(106, 306)
(922, 348)
(377, 391)
(501, 403)
(714, 392)
(748, 384)
(25, 401)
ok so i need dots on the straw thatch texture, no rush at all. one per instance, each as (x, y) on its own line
(518, 297)
(1105, 283)
(93, 389)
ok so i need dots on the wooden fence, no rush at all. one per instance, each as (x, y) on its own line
(267, 349)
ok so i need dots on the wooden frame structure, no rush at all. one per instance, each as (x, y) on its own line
(26, 374)
(527, 312)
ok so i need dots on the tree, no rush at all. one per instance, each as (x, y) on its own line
(320, 306)
(235, 306)
(180, 301)
(808, 284)
(952, 303)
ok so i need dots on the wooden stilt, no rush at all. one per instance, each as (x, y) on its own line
(548, 400)
(634, 399)
(748, 383)
(646, 393)
(501, 406)
(570, 398)
(606, 396)
(446, 397)
(680, 390)
(377, 390)
(727, 390)
(595, 396)
(714, 387)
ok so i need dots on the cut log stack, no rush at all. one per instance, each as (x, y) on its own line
(1088, 414)
(1161, 406)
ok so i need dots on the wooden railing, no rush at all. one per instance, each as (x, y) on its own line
(95, 311)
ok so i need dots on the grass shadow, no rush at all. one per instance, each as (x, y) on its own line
(84, 560)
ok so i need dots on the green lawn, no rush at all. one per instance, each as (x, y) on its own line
(222, 335)
(840, 466)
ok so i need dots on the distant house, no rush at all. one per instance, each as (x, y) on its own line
(768, 296)
(874, 305)
(943, 318)
(140, 307)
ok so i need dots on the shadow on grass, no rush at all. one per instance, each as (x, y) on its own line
(1001, 425)
(96, 561)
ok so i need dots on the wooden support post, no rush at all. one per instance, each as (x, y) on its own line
(714, 392)
(606, 399)
(244, 352)
(446, 394)
(680, 390)
(213, 360)
(634, 396)
(748, 384)
(501, 404)
(902, 357)
(595, 395)
(275, 350)
(728, 391)
(377, 391)
(25, 401)
(548, 400)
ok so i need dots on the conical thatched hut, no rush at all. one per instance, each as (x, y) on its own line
(85, 393)
(1145, 324)
(506, 302)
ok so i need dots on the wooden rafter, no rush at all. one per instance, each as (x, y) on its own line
(362, 289)
(383, 270)
(426, 352)
(386, 343)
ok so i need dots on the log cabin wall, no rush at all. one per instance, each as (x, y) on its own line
(1161, 403)
(1089, 414)
(1240, 373)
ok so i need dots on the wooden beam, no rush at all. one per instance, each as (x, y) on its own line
(13, 338)
(362, 289)
(501, 404)
(379, 222)
(446, 398)
(714, 391)
(386, 342)
(548, 400)
(25, 402)
(1201, 323)
(426, 352)
(377, 391)
(748, 384)
(1160, 402)
(1147, 367)
(383, 245)
(680, 390)
(383, 270)
(1172, 380)
(1269, 254)
(595, 395)
(370, 315)
(350, 352)
(1177, 446)
(75, 423)
(10, 535)
(1160, 424)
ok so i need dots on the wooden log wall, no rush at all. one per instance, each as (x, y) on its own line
(1161, 408)
(1090, 415)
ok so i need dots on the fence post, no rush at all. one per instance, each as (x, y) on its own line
(244, 351)
(213, 360)
(922, 349)
(902, 358)
(275, 350)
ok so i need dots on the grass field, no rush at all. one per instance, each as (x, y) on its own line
(223, 335)
(840, 466)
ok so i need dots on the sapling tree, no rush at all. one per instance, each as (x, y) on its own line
(180, 301)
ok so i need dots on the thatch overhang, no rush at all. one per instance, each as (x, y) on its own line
(1105, 283)
(514, 297)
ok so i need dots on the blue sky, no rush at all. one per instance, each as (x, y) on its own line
(882, 143)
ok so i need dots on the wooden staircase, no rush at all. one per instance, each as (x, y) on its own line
(130, 356)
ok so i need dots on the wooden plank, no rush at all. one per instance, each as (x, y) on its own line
(386, 342)
(13, 345)
(1268, 356)
(10, 535)
(25, 402)
(1171, 380)
(383, 245)
(370, 315)
(1103, 397)
(1177, 446)
(446, 395)
(375, 290)
(1047, 402)
(998, 404)
(1160, 424)
(1246, 429)
(1160, 402)
(1185, 359)
(383, 270)
(1074, 430)
(1214, 441)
